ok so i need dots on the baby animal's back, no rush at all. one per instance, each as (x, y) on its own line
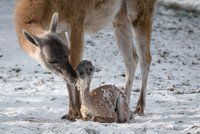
(104, 100)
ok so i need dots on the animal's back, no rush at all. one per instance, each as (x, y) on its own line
(104, 100)
(101, 14)
(93, 14)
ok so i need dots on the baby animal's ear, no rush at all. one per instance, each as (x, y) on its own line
(76, 83)
(78, 75)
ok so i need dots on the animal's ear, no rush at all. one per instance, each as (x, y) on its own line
(33, 39)
(54, 23)
(77, 79)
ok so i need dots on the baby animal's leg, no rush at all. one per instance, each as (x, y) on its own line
(85, 114)
(87, 118)
(123, 110)
(102, 119)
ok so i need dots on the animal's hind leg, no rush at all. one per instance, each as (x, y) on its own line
(123, 34)
(140, 14)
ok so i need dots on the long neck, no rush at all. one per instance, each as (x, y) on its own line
(85, 92)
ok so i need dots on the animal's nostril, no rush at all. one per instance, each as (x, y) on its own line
(74, 75)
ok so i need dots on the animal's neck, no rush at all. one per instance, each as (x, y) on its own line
(85, 92)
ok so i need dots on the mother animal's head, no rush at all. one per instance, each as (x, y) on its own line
(53, 53)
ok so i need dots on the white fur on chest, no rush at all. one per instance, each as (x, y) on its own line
(98, 19)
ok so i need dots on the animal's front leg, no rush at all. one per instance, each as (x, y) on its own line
(76, 51)
(73, 112)
(123, 34)
(74, 104)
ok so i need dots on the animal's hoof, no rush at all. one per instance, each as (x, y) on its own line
(79, 116)
(68, 117)
(139, 110)
(72, 115)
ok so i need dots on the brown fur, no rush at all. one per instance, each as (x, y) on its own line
(76, 16)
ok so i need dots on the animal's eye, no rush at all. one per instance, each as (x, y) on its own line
(52, 61)
(91, 69)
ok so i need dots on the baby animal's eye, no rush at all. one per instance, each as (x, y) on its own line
(91, 69)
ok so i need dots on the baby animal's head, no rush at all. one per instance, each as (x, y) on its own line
(85, 70)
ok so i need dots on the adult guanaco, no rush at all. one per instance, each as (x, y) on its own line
(77, 17)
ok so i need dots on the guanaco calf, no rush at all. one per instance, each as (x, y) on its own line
(103, 104)
(77, 17)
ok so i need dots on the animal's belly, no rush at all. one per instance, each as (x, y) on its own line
(98, 18)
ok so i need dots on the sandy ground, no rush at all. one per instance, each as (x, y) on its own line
(33, 100)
